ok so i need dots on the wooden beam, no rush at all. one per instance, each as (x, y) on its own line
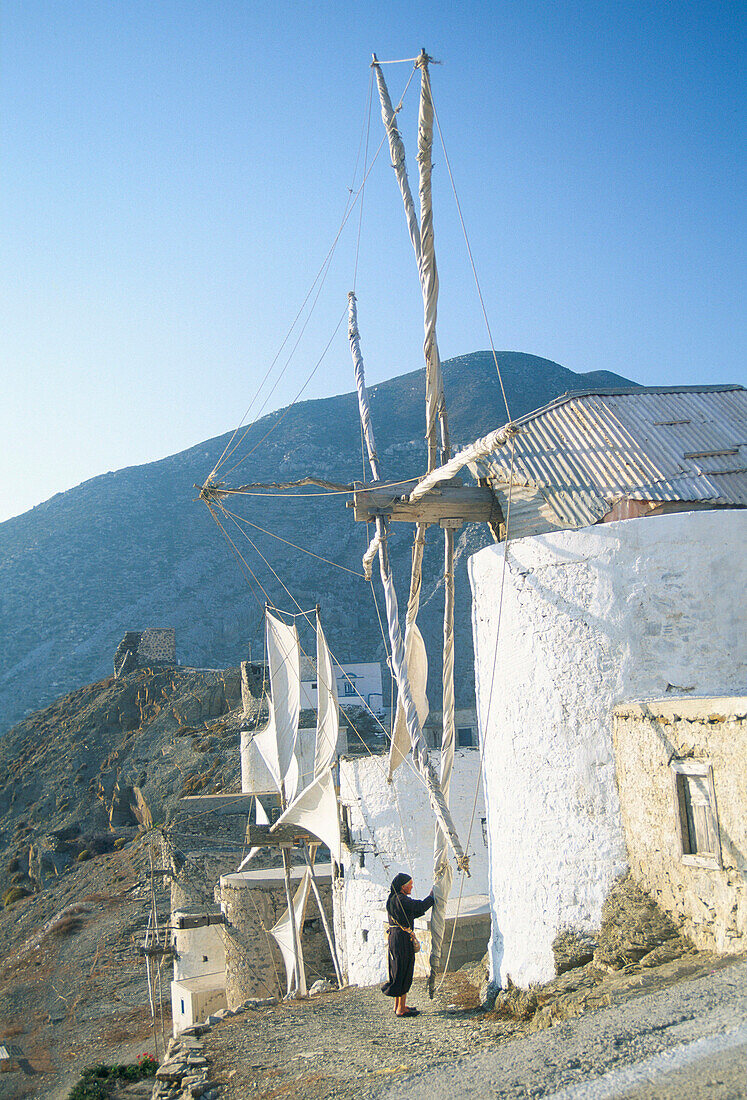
(156, 951)
(287, 836)
(447, 503)
(198, 920)
(224, 804)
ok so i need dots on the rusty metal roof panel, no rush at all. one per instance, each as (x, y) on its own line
(584, 451)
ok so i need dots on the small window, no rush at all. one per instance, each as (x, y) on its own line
(465, 737)
(313, 685)
(695, 813)
(349, 689)
(361, 859)
(204, 958)
(182, 1004)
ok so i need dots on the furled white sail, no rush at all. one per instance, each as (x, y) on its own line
(327, 723)
(277, 742)
(290, 783)
(423, 244)
(442, 871)
(315, 810)
(417, 673)
(421, 237)
(399, 663)
(283, 933)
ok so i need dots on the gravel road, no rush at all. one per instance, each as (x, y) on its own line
(686, 1041)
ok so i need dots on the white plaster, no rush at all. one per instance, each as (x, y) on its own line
(590, 618)
(199, 951)
(392, 829)
(194, 999)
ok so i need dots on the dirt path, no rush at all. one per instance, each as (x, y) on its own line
(349, 1043)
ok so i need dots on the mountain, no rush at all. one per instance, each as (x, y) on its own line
(136, 548)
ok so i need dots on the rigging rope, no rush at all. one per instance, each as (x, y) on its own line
(350, 206)
(472, 262)
(293, 325)
(295, 546)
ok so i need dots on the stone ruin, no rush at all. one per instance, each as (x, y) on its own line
(145, 649)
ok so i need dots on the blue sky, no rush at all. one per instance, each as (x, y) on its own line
(175, 173)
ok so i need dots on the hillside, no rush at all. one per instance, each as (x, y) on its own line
(135, 548)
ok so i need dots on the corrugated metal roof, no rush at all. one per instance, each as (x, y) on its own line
(584, 452)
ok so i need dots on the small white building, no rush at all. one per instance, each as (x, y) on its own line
(358, 685)
(199, 985)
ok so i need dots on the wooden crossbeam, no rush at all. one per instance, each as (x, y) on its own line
(198, 920)
(156, 950)
(287, 836)
(226, 805)
(448, 503)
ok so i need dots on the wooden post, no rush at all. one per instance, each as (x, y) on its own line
(322, 914)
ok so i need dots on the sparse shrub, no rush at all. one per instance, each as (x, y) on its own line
(119, 843)
(14, 894)
(67, 925)
(94, 1081)
(83, 855)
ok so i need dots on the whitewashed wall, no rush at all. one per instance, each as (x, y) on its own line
(617, 612)
(199, 951)
(392, 830)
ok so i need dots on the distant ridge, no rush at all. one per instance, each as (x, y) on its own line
(134, 548)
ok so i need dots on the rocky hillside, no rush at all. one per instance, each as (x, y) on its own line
(114, 755)
(135, 548)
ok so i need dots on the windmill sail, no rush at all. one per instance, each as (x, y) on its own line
(284, 934)
(328, 711)
(315, 810)
(261, 819)
(417, 672)
(422, 239)
(399, 664)
(277, 742)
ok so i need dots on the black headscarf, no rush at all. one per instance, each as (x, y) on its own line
(398, 882)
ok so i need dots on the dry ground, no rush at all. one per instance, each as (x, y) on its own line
(350, 1044)
(73, 991)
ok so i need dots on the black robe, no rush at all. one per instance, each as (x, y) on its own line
(402, 911)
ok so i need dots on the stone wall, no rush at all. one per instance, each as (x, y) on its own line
(155, 645)
(253, 901)
(708, 901)
(591, 618)
(390, 828)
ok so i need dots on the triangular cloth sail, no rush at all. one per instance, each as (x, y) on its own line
(283, 933)
(277, 741)
(262, 819)
(315, 810)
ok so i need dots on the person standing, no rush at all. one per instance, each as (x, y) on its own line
(402, 911)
